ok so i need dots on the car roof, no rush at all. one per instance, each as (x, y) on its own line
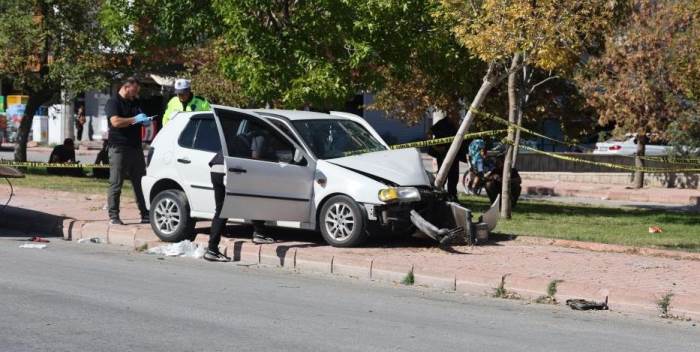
(292, 115)
(298, 114)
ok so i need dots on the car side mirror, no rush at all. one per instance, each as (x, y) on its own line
(298, 156)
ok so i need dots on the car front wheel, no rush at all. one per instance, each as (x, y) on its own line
(170, 216)
(342, 222)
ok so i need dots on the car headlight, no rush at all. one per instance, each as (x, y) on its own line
(401, 194)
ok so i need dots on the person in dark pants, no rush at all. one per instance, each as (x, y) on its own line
(125, 150)
(102, 159)
(447, 127)
(218, 224)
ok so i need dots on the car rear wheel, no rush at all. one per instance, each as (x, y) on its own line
(170, 216)
(342, 222)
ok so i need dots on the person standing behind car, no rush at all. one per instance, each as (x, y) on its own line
(184, 101)
(126, 158)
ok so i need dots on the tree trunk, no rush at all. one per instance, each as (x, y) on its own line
(513, 108)
(522, 100)
(25, 126)
(639, 162)
(490, 80)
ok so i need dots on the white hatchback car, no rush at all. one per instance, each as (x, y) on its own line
(328, 172)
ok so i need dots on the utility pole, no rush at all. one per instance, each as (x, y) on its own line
(67, 116)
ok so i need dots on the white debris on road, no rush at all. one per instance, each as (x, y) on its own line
(184, 248)
(33, 246)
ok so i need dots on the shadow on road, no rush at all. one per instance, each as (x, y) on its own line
(30, 222)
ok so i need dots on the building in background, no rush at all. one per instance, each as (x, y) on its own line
(392, 130)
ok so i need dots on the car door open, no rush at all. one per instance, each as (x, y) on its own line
(268, 176)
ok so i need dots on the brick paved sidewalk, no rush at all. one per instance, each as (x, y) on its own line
(633, 282)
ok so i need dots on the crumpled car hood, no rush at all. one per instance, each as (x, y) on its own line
(404, 167)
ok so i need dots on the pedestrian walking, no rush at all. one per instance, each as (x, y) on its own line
(184, 101)
(125, 150)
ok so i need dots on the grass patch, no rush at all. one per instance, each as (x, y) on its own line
(501, 292)
(550, 298)
(409, 279)
(625, 226)
(37, 178)
(664, 304)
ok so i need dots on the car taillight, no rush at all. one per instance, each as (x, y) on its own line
(615, 147)
(149, 156)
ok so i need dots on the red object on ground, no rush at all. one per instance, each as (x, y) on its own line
(39, 239)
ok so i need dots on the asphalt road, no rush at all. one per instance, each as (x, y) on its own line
(89, 297)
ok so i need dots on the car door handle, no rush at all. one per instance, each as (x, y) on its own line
(237, 170)
(184, 161)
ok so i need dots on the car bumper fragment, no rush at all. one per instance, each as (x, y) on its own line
(457, 224)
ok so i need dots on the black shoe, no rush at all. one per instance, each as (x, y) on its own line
(215, 256)
(145, 220)
(116, 221)
(260, 239)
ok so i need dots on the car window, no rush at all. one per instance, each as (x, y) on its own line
(282, 126)
(207, 136)
(335, 138)
(247, 137)
(187, 135)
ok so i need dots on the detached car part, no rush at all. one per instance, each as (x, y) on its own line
(455, 222)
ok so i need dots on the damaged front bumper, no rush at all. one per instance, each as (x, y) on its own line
(455, 223)
(436, 217)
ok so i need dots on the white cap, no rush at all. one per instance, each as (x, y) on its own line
(182, 86)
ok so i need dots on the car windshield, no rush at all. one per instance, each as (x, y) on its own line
(330, 139)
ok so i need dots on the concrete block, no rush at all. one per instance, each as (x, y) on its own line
(121, 235)
(97, 229)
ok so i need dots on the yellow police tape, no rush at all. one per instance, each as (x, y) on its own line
(36, 164)
(446, 140)
(611, 165)
(661, 159)
(429, 142)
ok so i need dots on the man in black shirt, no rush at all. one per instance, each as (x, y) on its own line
(125, 118)
(447, 127)
(64, 154)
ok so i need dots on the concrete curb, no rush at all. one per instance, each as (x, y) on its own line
(305, 259)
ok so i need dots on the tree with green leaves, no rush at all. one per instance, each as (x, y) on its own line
(156, 35)
(645, 79)
(48, 47)
(509, 35)
(433, 71)
(296, 54)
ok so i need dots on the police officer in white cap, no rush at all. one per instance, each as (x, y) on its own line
(184, 101)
